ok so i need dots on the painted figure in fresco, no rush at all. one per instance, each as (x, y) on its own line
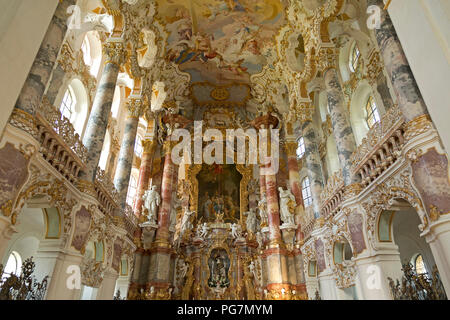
(287, 204)
(152, 200)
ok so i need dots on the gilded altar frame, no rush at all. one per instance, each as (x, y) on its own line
(245, 171)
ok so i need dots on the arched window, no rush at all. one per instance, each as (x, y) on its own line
(116, 102)
(105, 151)
(13, 266)
(138, 146)
(131, 191)
(419, 265)
(68, 103)
(306, 192)
(86, 49)
(301, 148)
(354, 57)
(372, 114)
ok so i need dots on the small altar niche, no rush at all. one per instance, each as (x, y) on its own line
(219, 267)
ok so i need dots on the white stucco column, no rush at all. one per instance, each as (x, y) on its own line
(106, 290)
(374, 270)
(439, 241)
(122, 284)
(328, 290)
(6, 232)
(312, 285)
(65, 283)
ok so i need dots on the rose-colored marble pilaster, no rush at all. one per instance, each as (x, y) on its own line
(145, 172)
(32, 92)
(342, 130)
(101, 108)
(313, 163)
(125, 161)
(273, 209)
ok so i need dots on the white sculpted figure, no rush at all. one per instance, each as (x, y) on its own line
(236, 231)
(152, 200)
(202, 230)
(286, 200)
(262, 206)
(185, 224)
(251, 220)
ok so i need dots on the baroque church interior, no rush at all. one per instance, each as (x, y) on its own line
(314, 162)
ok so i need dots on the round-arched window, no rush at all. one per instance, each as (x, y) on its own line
(14, 265)
(301, 148)
(419, 264)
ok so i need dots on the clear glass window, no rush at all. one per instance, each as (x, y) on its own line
(13, 265)
(138, 146)
(301, 148)
(131, 191)
(354, 58)
(306, 192)
(68, 103)
(373, 116)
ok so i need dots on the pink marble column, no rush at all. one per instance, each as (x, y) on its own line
(145, 172)
(162, 235)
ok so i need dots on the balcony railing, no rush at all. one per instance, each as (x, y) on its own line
(107, 194)
(332, 195)
(60, 144)
(381, 148)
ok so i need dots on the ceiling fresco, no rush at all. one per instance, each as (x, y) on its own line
(222, 42)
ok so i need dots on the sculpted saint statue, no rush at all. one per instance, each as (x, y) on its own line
(251, 220)
(185, 223)
(152, 200)
(202, 230)
(262, 206)
(287, 200)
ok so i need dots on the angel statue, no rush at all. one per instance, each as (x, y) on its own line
(152, 200)
(236, 231)
(287, 202)
(202, 230)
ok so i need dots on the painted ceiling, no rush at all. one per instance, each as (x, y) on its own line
(222, 42)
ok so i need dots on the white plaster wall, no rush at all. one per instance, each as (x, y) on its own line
(423, 27)
(23, 24)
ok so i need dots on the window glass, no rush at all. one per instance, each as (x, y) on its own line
(373, 116)
(354, 58)
(301, 148)
(67, 107)
(131, 191)
(306, 192)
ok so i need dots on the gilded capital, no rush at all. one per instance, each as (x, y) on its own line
(114, 52)
(135, 108)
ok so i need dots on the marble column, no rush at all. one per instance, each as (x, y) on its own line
(145, 172)
(106, 290)
(313, 163)
(342, 130)
(162, 259)
(101, 107)
(57, 78)
(58, 288)
(294, 175)
(32, 92)
(125, 161)
(276, 253)
(431, 167)
(409, 98)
